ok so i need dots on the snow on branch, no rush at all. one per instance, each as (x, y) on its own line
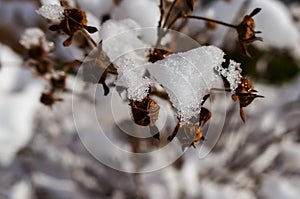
(188, 77)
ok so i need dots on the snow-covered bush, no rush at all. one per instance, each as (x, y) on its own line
(139, 83)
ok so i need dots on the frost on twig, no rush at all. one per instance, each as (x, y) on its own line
(53, 12)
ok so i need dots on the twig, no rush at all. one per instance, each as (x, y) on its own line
(169, 13)
(89, 38)
(162, 12)
(237, 17)
(179, 15)
(210, 20)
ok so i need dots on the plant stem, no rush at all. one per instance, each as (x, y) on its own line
(89, 38)
(169, 13)
(210, 20)
(174, 20)
(159, 33)
(162, 11)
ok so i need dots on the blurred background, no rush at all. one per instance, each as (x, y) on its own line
(42, 156)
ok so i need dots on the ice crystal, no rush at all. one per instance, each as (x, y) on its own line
(232, 74)
(51, 11)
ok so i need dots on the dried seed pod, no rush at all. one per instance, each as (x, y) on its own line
(198, 136)
(49, 99)
(37, 53)
(42, 67)
(74, 20)
(246, 31)
(58, 81)
(245, 93)
(158, 54)
(144, 112)
(96, 70)
(189, 135)
(205, 115)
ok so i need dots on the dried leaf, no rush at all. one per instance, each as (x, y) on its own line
(205, 115)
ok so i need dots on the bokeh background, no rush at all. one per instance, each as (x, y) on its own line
(42, 156)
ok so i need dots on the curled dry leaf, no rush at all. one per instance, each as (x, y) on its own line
(58, 81)
(205, 115)
(246, 31)
(74, 20)
(144, 112)
(245, 93)
(49, 99)
(189, 135)
(158, 54)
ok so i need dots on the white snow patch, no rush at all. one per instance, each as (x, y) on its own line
(97, 8)
(35, 37)
(188, 77)
(232, 74)
(51, 11)
(121, 38)
(131, 77)
(275, 187)
(144, 12)
(21, 190)
(19, 96)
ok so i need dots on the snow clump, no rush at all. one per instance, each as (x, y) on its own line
(188, 77)
(51, 11)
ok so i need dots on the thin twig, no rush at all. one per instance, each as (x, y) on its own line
(169, 13)
(89, 38)
(210, 20)
(237, 17)
(162, 12)
(179, 15)
(159, 33)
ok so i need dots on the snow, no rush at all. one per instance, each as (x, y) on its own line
(10, 70)
(136, 10)
(51, 11)
(124, 48)
(121, 37)
(232, 74)
(131, 77)
(19, 101)
(276, 187)
(188, 77)
(92, 20)
(216, 191)
(276, 167)
(21, 190)
(35, 37)
(96, 7)
(50, 2)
